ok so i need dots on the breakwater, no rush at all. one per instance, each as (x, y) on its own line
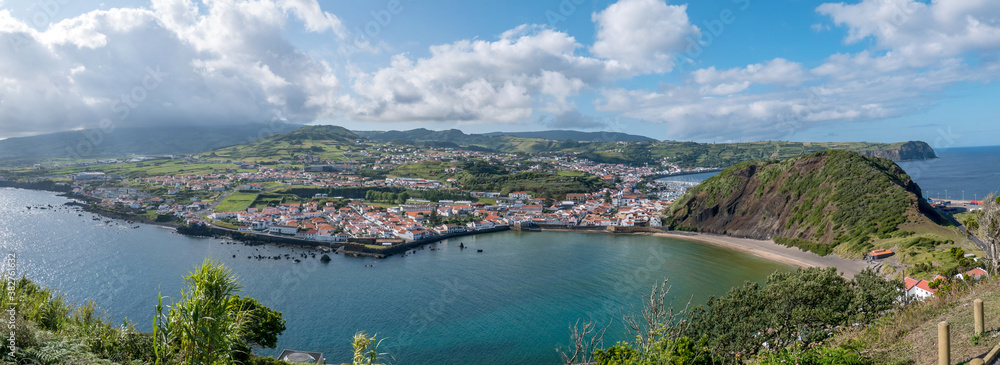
(362, 250)
(253, 238)
(600, 229)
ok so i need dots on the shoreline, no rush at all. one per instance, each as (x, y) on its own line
(767, 250)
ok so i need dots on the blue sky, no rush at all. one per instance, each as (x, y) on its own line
(723, 70)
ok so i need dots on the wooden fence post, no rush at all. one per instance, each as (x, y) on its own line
(944, 344)
(977, 307)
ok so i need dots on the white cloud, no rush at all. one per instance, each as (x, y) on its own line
(775, 72)
(688, 113)
(505, 81)
(921, 33)
(316, 19)
(642, 36)
(224, 63)
(919, 51)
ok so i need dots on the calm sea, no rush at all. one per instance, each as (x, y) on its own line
(511, 304)
(959, 173)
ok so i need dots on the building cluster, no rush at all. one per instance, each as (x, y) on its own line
(922, 289)
(413, 221)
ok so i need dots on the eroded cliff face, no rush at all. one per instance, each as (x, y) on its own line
(830, 197)
(907, 152)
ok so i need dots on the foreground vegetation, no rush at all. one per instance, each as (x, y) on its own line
(787, 317)
(210, 324)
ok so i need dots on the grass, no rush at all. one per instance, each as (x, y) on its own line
(236, 202)
(571, 173)
(224, 224)
(383, 205)
(910, 335)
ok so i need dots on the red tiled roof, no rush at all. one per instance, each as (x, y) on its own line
(975, 273)
(924, 284)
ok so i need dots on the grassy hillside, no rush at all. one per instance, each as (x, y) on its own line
(143, 141)
(825, 201)
(564, 135)
(639, 152)
(909, 336)
(328, 142)
(483, 176)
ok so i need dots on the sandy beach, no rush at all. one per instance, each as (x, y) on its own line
(775, 252)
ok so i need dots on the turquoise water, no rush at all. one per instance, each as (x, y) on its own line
(511, 304)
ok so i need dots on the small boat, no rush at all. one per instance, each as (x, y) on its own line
(479, 250)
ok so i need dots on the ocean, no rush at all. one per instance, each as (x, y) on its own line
(967, 173)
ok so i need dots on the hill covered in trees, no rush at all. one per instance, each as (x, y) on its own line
(817, 202)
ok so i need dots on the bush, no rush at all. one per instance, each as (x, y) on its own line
(818, 248)
(813, 356)
(791, 309)
(24, 335)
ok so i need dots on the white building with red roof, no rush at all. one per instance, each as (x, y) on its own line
(920, 289)
(974, 274)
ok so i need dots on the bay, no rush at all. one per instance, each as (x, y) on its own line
(510, 304)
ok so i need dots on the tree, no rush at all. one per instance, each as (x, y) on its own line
(263, 326)
(988, 230)
(793, 308)
(366, 349)
(210, 324)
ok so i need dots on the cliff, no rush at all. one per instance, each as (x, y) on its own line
(906, 152)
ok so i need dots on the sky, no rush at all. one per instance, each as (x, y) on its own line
(707, 71)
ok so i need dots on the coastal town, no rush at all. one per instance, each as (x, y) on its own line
(631, 197)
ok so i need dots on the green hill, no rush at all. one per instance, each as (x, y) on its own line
(566, 135)
(484, 176)
(327, 141)
(818, 202)
(183, 139)
(606, 147)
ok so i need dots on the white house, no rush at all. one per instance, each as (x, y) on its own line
(519, 195)
(919, 289)
(282, 229)
(481, 225)
(974, 274)
(449, 228)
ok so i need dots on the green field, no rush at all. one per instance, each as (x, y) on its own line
(236, 202)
